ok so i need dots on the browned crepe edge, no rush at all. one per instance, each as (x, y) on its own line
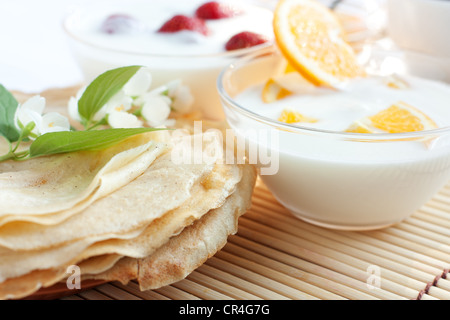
(191, 248)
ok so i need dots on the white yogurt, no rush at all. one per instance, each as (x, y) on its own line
(341, 180)
(336, 110)
(151, 15)
(190, 56)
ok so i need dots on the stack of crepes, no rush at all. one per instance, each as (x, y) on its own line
(127, 212)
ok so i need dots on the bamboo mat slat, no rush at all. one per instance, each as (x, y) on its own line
(242, 284)
(367, 246)
(278, 276)
(174, 293)
(200, 290)
(222, 287)
(133, 288)
(116, 293)
(93, 294)
(275, 256)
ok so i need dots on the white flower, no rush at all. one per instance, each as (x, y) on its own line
(156, 93)
(53, 122)
(155, 105)
(156, 110)
(30, 111)
(121, 119)
(139, 83)
(181, 96)
(120, 102)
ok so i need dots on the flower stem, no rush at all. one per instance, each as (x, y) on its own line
(24, 155)
(97, 124)
(11, 155)
(7, 156)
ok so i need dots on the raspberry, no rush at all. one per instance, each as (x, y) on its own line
(181, 22)
(245, 39)
(215, 10)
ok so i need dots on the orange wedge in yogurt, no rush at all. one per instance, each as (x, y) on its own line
(290, 116)
(398, 118)
(285, 83)
(272, 91)
(311, 38)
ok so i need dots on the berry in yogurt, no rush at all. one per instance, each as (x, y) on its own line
(196, 27)
(216, 10)
(181, 22)
(245, 39)
(119, 23)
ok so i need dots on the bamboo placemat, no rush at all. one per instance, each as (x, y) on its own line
(275, 256)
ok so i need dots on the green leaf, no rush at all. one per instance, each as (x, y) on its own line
(102, 88)
(8, 107)
(71, 141)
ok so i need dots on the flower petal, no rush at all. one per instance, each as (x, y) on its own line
(25, 116)
(182, 99)
(157, 93)
(119, 119)
(172, 87)
(139, 83)
(54, 122)
(119, 102)
(155, 111)
(35, 103)
(73, 109)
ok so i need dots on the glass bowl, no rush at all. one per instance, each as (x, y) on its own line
(198, 71)
(348, 181)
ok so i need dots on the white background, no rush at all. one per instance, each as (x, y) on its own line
(34, 52)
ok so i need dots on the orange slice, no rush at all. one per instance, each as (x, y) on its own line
(359, 127)
(272, 91)
(284, 83)
(311, 38)
(398, 118)
(288, 116)
(396, 82)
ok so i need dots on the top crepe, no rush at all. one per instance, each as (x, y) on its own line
(49, 189)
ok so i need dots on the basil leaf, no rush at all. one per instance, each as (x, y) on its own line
(102, 88)
(8, 107)
(71, 141)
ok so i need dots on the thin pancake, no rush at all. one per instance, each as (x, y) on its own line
(47, 190)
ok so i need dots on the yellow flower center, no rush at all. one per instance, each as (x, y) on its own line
(120, 108)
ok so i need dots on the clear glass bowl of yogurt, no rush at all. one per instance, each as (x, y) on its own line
(330, 177)
(133, 39)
